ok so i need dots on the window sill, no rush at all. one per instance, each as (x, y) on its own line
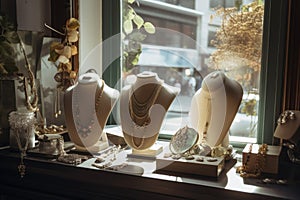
(86, 182)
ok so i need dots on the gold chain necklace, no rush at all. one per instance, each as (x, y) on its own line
(21, 166)
(208, 117)
(259, 162)
(139, 111)
(85, 129)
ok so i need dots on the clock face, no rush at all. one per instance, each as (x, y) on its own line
(184, 139)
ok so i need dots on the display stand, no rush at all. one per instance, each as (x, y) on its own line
(143, 106)
(150, 153)
(101, 145)
(88, 105)
(208, 166)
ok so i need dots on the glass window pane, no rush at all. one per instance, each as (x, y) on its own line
(230, 3)
(182, 54)
(187, 3)
(211, 37)
(216, 3)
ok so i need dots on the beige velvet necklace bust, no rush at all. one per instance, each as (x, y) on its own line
(143, 106)
(214, 107)
(288, 126)
(88, 105)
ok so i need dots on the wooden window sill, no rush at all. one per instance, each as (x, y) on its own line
(48, 178)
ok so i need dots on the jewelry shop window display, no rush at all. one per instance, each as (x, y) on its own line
(143, 106)
(88, 105)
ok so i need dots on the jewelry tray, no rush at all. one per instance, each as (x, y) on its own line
(205, 168)
(36, 152)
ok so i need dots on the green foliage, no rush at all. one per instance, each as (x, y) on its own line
(135, 30)
(8, 37)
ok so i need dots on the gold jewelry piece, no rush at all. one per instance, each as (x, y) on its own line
(212, 159)
(57, 110)
(139, 111)
(200, 159)
(189, 157)
(218, 151)
(285, 116)
(259, 162)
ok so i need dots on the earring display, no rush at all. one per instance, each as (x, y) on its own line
(288, 130)
(285, 116)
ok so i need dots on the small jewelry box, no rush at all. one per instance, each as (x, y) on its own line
(268, 163)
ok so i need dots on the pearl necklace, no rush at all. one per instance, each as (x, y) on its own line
(84, 129)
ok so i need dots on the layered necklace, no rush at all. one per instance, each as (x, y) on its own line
(139, 111)
(85, 128)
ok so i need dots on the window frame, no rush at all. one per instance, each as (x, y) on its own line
(272, 70)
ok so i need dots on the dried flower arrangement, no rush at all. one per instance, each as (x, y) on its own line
(62, 54)
(239, 39)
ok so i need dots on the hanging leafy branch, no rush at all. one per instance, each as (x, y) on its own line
(133, 35)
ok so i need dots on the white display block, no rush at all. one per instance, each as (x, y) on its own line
(102, 144)
(152, 152)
